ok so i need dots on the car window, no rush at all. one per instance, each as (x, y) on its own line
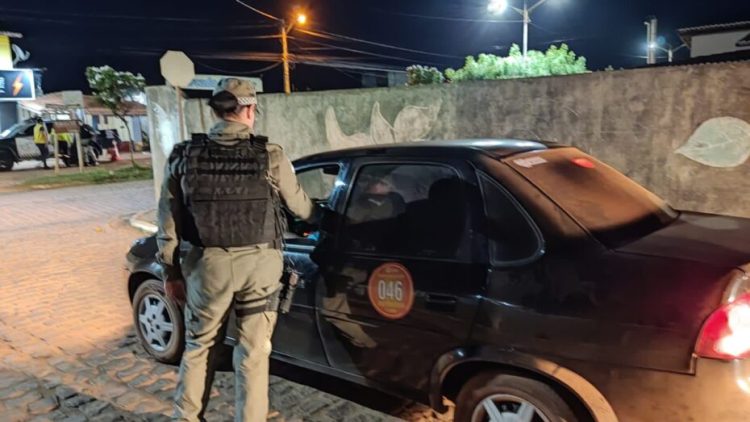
(417, 210)
(318, 182)
(16, 130)
(512, 238)
(613, 208)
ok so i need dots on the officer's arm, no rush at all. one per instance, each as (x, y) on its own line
(294, 197)
(168, 215)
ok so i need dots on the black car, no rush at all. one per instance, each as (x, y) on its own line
(521, 280)
(17, 144)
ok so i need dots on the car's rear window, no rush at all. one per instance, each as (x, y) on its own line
(612, 207)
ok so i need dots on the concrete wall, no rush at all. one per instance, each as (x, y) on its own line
(163, 125)
(724, 42)
(680, 131)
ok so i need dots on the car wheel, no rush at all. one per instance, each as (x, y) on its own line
(158, 322)
(494, 397)
(6, 161)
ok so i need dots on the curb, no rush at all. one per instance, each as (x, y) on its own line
(137, 222)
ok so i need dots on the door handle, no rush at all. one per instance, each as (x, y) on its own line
(441, 302)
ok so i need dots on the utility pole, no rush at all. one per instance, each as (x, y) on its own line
(651, 34)
(301, 19)
(497, 7)
(285, 58)
(526, 22)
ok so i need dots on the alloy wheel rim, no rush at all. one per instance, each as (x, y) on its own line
(507, 408)
(155, 322)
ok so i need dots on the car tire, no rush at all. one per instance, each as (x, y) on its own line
(510, 394)
(6, 161)
(158, 322)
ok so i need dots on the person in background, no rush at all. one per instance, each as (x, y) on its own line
(42, 142)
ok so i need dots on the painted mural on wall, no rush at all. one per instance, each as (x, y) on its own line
(722, 142)
(412, 123)
(165, 127)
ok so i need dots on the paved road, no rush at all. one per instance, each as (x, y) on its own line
(67, 350)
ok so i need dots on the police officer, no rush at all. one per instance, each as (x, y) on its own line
(220, 195)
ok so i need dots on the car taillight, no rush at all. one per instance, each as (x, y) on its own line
(584, 162)
(726, 333)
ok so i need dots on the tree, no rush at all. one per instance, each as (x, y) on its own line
(423, 75)
(555, 61)
(115, 90)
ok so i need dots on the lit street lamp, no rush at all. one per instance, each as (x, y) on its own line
(669, 50)
(497, 7)
(300, 19)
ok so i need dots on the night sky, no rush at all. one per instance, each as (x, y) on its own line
(66, 36)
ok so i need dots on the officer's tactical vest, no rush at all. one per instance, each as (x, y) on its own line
(228, 194)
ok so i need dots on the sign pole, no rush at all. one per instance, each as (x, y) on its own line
(181, 135)
(203, 118)
(57, 154)
(79, 149)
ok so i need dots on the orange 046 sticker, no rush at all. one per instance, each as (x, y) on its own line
(391, 290)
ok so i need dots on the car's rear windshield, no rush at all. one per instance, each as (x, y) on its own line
(612, 207)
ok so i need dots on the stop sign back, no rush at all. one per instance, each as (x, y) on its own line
(177, 68)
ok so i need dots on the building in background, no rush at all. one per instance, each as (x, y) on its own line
(376, 79)
(15, 84)
(728, 40)
(94, 114)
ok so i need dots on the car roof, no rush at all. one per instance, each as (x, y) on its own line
(496, 148)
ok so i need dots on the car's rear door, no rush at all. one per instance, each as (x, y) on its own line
(402, 276)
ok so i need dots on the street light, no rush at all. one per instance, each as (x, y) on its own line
(669, 50)
(300, 19)
(497, 7)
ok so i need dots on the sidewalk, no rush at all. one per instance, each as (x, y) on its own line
(13, 181)
(144, 221)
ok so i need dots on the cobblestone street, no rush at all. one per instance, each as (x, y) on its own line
(67, 349)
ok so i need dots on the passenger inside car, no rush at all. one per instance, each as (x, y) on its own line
(377, 201)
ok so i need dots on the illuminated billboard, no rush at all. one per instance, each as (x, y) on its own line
(17, 84)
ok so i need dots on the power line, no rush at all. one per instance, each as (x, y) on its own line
(352, 66)
(543, 29)
(368, 53)
(220, 38)
(330, 35)
(46, 13)
(258, 11)
(348, 75)
(262, 57)
(250, 72)
(449, 19)
(253, 56)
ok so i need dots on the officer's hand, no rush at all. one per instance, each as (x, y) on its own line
(175, 290)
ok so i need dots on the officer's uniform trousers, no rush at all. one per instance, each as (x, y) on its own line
(219, 280)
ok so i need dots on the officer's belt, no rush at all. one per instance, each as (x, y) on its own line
(269, 303)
